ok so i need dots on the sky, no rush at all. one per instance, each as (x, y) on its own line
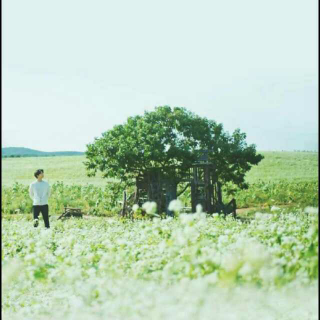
(72, 69)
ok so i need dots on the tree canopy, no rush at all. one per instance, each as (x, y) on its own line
(168, 138)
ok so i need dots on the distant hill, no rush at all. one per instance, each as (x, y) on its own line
(26, 152)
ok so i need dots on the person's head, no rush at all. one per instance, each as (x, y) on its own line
(39, 174)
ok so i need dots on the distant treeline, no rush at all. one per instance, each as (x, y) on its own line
(310, 151)
(17, 152)
(61, 153)
(36, 155)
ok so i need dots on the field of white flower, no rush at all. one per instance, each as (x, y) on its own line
(190, 267)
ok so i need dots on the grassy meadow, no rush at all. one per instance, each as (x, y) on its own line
(288, 166)
(191, 267)
(69, 169)
(281, 178)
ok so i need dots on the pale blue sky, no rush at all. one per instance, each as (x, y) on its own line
(73, 69)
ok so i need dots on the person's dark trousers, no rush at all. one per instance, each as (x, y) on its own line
(45, 214)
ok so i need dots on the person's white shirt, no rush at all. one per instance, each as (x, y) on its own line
(39, 192)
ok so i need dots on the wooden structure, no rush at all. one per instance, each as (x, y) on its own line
(206, 189)
(71, 212)
(125, 209)
(154, 185)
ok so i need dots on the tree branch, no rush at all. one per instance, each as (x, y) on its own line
(180, 193)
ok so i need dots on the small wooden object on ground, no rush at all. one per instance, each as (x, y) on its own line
(71, 212)
(126, 210)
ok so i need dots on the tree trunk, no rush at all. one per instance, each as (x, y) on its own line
(124, 204)
(219, 191)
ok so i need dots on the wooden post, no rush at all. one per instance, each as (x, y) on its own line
(193, 196)
(219, 192)
(124, 203)
(136, 195)
(234, 214)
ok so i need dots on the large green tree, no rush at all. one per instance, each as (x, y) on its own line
(168, 138)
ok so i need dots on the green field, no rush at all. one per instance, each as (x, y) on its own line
(68, 169)
(191, 267)
(195, 267)
(289, 166)
(282, 178)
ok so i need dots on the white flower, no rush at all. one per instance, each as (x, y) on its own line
(180, 238)
(75, 301)
(257, 254)
(212, 278)
(199, 208)
(261, 227)
(162, 246)
(191, 232)
(135, 207)
(10, 271)
(150, 207)
(230, 262)
(273, 227)
(311, 210)
(246, 269)
(274, 208)
(91, 272)
(269, 274)
(258, 215)
(175, 205)
(310, 232)
(265, 216)
(186, 218)
(222, 240)
(288, 240)
(201, 220)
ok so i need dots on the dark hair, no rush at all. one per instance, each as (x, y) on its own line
(39, 171)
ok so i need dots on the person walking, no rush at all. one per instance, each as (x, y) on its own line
(40, 192)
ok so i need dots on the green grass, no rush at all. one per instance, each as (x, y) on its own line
(69, 169)
(192, 267)
(289, 166)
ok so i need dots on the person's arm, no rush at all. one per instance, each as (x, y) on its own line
(31, 192)
(49, 191)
